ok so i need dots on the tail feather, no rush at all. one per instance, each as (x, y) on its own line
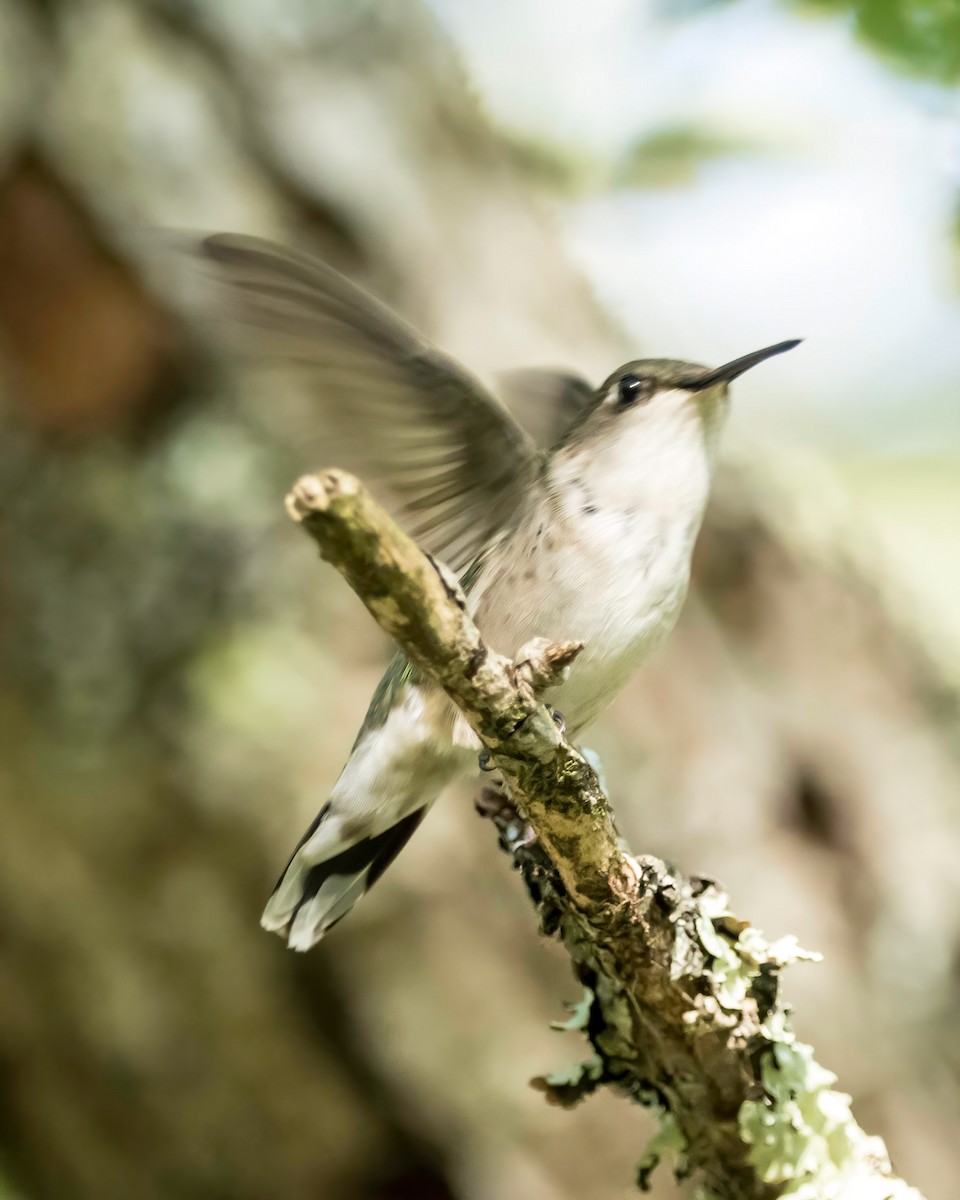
(289, 887)
(311, 897)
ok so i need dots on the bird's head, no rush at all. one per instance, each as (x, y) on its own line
(654, 391)
(657, 420)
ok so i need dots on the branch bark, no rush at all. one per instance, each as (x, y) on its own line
(681, 1007)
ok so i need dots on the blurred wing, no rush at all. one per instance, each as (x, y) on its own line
(545, 401)
(430, 440)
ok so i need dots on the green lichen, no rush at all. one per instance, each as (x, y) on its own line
(595, 761)
(570, 1085)
(668, 1140)
(736, 961)
(579, 1013)
(567, 1087)
(802, 1132)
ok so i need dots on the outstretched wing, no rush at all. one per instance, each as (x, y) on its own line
(433, 443)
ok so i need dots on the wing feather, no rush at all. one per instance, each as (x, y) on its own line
(432, 442)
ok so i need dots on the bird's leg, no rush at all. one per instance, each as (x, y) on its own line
(492, 801)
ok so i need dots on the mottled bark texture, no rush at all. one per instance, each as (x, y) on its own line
(682, 1007)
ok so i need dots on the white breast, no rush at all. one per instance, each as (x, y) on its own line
(602, 555)
(614, 579)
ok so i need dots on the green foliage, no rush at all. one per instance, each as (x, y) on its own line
(668, 157)
(672, 155)
(921, 35)
(556, 168)
(7, 1191)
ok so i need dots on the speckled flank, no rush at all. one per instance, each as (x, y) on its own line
(605, 554)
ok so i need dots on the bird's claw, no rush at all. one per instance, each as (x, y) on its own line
(492, 802)
(524, 836)
(515, 833)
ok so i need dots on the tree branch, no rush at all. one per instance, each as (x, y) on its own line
(682, 1008)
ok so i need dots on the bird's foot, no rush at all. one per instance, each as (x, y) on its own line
(494, 804)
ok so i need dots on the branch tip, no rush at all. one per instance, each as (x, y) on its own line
(315, 493)
(543, 664)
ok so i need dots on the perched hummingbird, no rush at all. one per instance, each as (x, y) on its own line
(589, 540)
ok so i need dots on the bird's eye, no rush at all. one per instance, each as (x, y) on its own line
(630, 390)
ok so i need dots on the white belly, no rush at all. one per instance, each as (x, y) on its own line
(612, 581)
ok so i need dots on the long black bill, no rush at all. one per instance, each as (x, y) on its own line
(729, 371)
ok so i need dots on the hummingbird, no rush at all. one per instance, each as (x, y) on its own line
(589, 539)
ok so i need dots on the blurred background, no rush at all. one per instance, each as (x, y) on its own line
(532, 182)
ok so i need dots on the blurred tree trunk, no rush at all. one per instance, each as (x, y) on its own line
(175, 696)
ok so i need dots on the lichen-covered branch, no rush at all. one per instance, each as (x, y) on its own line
(681, 1007)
